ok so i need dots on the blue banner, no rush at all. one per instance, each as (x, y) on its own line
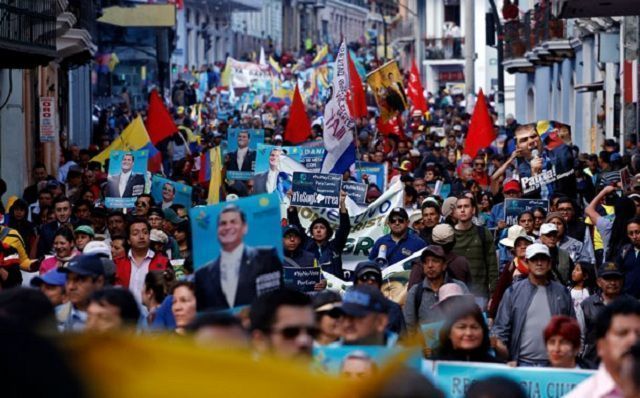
(166, 192)
(316, 190)
(309, 156)
(356, 191)
(261, 226)
(127, 178)
(334, 360)
(454, 378)
(376, 173)
(513, 208)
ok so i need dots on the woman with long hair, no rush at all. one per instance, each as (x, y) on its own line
(156, 288)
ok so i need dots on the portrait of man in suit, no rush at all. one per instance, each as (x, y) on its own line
(168, 194)
(267, 182)
(126, 184)
(243, 158)
(241, 272)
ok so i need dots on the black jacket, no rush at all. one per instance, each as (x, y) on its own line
(299, 258)
(260, 272)
(329, 255)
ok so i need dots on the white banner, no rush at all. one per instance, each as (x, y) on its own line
(367, 224)
(248, 74)
(47, 119)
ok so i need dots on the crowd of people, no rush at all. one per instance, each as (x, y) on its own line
(557, 286)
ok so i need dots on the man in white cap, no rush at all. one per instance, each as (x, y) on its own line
(561, 263)
(527, 308)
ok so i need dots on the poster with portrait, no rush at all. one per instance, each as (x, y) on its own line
(274, 170)
(221, 225)
(376, 173)
(346, 360)
(126, 179)
(166, 192)
(240, 153)
(386, 84)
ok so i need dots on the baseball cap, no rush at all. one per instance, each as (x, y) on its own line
(85, 265)
(277, 137)
(399, 211)
(171, 216)
(291, 229)
(536, 249)
(448, 206)
(368, 267)
(157, 235)
(361, 300)
(433, 250)
(443, 234)
(511, 186)
(610, 268)
(85, 229)
(99, 248)
(548, 228)
(326, 300)
(54, 278)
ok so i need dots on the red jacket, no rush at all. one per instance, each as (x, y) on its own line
(123, 268)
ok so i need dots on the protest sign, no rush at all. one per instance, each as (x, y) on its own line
(127, 178)
(513, 208)
(311, 155)
(356, 191)
(247, 74)
(166, 192)
(316, 190)
(262, 226)
(301, 279)
(386, 84)
(439, 188)
(308, 156)
(549, 176)
(376, 173)
(367, 225)
(454, 378)
(335, 360)
(238, 166)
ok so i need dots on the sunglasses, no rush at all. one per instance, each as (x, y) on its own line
(397, 220)
(368, 278)
(291, 332)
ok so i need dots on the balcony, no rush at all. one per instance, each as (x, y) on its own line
(538, 38)
(27, 33)
(402, 30)
(443, 48)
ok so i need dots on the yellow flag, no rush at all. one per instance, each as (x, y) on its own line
(132, 138)
(128, 366)
(215, 183)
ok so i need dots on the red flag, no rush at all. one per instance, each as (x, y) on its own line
(355, 96)
(480, 133)
(390, 127)
(415, 90)
(159, 124)
(298, 127)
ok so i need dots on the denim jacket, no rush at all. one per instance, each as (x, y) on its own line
(512, 312)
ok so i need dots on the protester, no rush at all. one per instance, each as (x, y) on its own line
(617, 330)
(112, 309)
(283, 324)
(326, 306)
(64, 249)
(562, 338)
(630, 372)
(399, 244)
(85, 275)
(365, 318)
(183, 305)
(526, 308)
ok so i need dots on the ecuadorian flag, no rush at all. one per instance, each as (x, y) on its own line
(133, 138)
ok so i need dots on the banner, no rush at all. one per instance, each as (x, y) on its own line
(514, 207)
(248, 75)
(336, 360)
(166, 192)
(376, 173)
(48, 108)
(316, 190)
(367, 224)
(386, 84)
(127, 178)
(549, 176)
(242, 138)
(261, 226)
(301, 279)
(454, 378)
(356, 191)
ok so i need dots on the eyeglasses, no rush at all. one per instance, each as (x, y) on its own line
(291, 332)
(397, 220)
(565, 209)
(368, 278)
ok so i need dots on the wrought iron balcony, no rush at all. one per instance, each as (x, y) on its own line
(27, 32)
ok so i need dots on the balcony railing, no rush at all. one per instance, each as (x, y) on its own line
(30, 24)
(444, 48)
(536, 27)
(402, 29)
